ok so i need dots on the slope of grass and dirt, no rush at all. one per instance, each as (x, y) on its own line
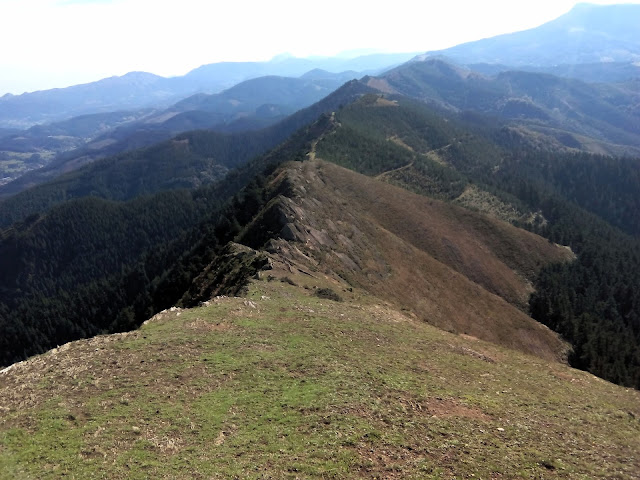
(459, 270)
(285, 384)
(586, 202)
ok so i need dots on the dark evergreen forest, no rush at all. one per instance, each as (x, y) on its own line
(92, 266)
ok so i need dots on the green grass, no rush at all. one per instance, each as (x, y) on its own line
(283, 384)
(15, 164)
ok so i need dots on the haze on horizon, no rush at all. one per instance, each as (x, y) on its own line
(57, 43)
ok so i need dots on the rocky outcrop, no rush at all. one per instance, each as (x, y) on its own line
(228, 274)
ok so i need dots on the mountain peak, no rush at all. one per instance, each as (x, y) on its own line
(586, 34)
(281, 57)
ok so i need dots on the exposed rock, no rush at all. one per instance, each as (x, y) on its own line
(227, 274)
(457, 269)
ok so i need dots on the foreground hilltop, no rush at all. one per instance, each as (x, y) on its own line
(330, 366)
(286, 383)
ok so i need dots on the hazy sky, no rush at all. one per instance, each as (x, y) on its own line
(55, 43)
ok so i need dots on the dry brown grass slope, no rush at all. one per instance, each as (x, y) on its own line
(456, 269)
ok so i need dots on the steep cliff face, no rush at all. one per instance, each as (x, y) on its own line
(458, 270)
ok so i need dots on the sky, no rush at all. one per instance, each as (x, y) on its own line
(57, 43)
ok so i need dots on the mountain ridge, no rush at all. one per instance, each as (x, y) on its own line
(595, 117)
(353, 388)
(588, 33)
(57, 104)
(328, 362)
(203, 151)
(395, 282)
(401, 243)
(481, 167)
(251, 105)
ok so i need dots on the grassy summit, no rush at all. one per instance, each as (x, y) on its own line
(284, 384)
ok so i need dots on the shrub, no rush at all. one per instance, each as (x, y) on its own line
(328, 294)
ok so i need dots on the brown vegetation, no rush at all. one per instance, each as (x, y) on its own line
(456, 269)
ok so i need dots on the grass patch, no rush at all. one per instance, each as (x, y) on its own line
(286, 385)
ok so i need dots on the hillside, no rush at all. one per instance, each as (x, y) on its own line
(420, 255)
(285, 384)
(119, 262)
(331, 363)
(601, 72)
(42, 152)
(588, 203)
(188, 160)
(256, 270)
(291, 94)
(455, 269)
(22, 151)
(600, 118)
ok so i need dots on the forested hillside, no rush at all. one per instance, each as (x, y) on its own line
(433, 271)
(586, 202)
(92, 265)
(188, 160)
(601, 118)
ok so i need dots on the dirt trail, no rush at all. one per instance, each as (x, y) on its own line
(312, 153)
(410, 164)
(389, 172)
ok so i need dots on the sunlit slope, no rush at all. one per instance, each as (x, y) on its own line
(283, 384)
(456, 269)
(583, 201)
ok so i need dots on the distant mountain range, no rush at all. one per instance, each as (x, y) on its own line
(591, 42)
(563, 112)
(186, 161)
(543, 111)
(250, 105)
(91, 121)
(139, 89)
